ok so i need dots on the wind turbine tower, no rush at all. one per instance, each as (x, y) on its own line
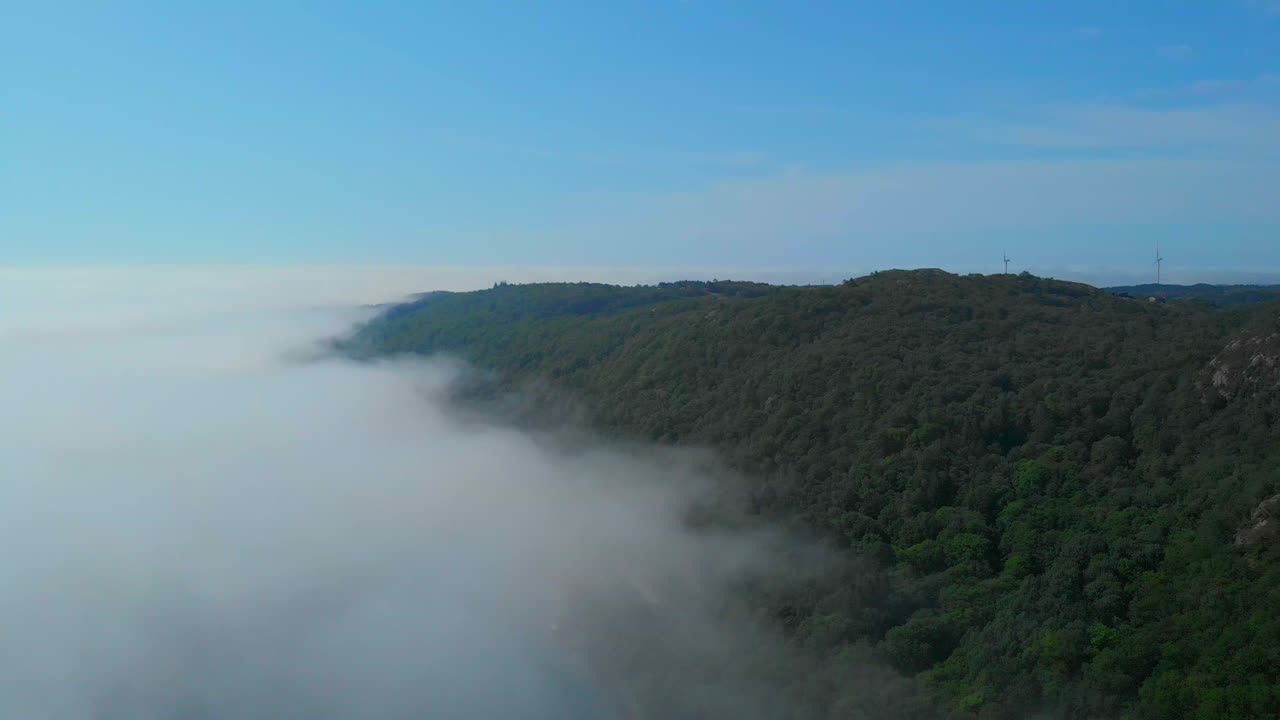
(1158, 261)
(1005, 255)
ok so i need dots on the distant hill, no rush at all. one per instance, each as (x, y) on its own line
(1054, 501)
(1214, 294)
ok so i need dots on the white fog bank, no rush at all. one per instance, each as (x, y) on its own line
(194, 524)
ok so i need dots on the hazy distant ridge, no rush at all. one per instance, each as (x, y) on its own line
(1215, 294)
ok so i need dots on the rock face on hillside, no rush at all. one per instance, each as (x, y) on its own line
(1246, 366)
(1263, 525)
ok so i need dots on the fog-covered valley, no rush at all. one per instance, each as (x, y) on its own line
(201, 516)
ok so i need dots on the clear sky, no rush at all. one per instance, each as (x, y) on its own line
(853, 135)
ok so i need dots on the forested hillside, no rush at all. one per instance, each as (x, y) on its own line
(1064, 493)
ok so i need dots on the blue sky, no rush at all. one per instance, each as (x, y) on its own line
(694, 134)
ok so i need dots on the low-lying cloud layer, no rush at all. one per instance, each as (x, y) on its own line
(195, 524)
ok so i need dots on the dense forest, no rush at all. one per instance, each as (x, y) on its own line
(1063, 502)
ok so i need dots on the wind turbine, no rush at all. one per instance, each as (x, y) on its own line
(1005, 255)
(1158, 261)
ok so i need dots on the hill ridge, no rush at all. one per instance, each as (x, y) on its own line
(1050, 495)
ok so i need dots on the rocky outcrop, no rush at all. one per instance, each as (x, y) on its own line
(1246, 366)
(1263, 526)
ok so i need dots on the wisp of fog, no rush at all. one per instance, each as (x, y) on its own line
(196, 523)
